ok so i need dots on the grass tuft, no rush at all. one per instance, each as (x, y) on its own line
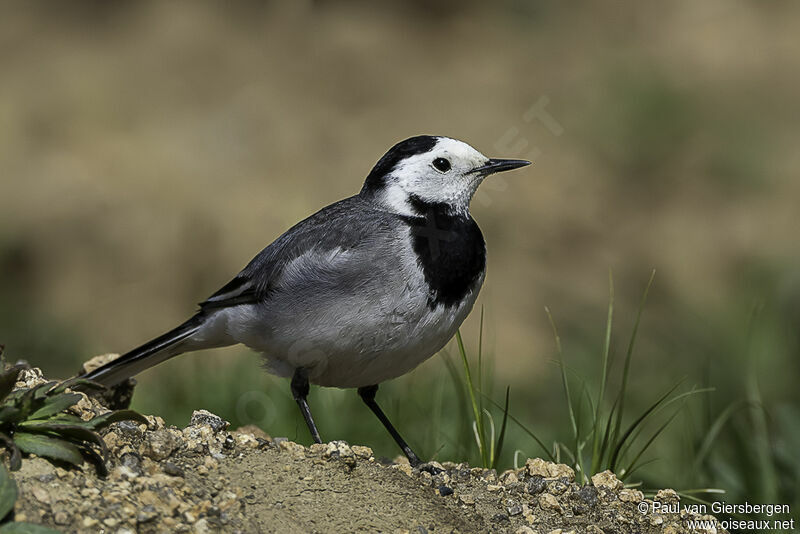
(489, 446)
(605, 443)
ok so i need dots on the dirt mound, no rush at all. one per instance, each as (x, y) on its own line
(204, 478)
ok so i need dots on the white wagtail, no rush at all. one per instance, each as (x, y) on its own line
(362, 291)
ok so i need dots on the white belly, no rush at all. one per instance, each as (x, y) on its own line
(356, 339)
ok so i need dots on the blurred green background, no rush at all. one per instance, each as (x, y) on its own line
(148, 150)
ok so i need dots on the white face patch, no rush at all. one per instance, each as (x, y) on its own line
(445, 175)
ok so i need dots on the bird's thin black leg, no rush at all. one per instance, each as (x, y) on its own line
(368, 396)
(300, 392)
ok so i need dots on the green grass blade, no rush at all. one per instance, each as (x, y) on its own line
(605, 446)
(481, 436)
(580, 444)
(650, 441)
(564, 378)
(431, 439)
(629, 474)
(661, 406)
(690, 495)
(768, 477)
(501, 439)
(464, 430)
(606, 350)
(530, 433)
(480, 358)
(714, 429)
(633, 426)
(628, 356)
(563, 447)
(481, 409)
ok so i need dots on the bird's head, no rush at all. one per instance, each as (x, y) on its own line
(431, 170)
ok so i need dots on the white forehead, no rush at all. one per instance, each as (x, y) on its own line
(456, 151)
(461, 156)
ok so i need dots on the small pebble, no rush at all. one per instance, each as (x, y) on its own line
(631, 495)
(514, 510)
(536, 485)
(202, 527)
(41, 495)
(160, 445)
(128, 429)
(132, 462)
(338, 449)
(467, 499)
(432, 468)
(588, 494)
(548, 501)
(667, 496)
(173, 470)
(444, 491)
(403, 467)
(557, 487)
(204, 417)
(362, 452)
(606, 480)
(211, 463)
(147, 513)
(509, 477)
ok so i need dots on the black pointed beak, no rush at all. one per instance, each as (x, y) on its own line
(499, 165)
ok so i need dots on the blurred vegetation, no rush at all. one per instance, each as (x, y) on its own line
(148, 150)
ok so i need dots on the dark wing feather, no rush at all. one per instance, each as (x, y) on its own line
(240, 290)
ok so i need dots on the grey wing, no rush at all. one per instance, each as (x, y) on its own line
(312, 246)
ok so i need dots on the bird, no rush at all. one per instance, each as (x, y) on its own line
(360, 292)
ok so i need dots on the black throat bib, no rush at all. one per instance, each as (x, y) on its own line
(450, 250)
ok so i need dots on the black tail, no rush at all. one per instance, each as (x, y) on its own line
(141, 358)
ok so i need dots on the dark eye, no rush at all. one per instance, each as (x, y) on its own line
(441, 164)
